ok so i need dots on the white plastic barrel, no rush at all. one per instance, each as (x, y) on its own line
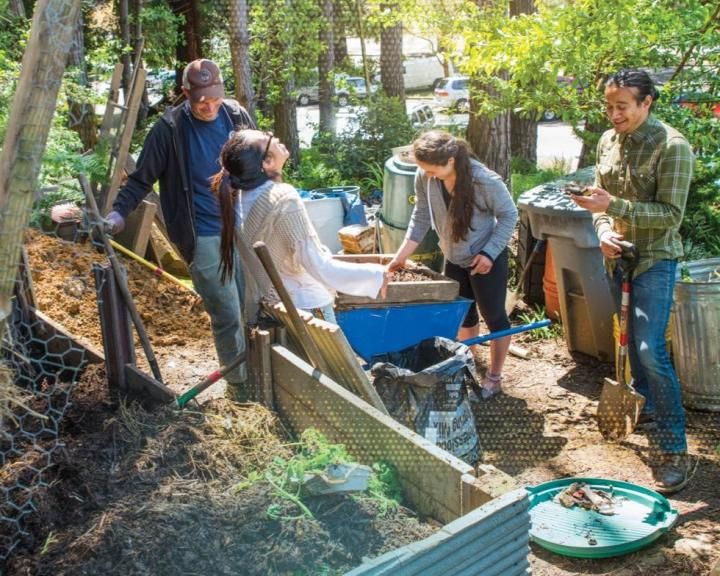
(326, 215)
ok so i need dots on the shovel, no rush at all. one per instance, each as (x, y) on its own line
(620, 405)
(507, 332)
(512, 298)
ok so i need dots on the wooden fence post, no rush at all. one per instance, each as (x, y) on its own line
(31, 114)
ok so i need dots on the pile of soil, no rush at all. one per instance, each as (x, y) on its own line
(405, 275)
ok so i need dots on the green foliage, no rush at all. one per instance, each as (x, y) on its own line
(315, 454)
(524, 177)
(355, 155)
(536, 314)
(315, 171)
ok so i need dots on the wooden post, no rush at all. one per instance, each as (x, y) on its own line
(29, 122)
(115, 328)
(136, 234)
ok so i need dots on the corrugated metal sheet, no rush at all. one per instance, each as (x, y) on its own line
(492, 540)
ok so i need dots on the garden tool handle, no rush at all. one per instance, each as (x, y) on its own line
(307, 343)
(121, 279)
(211, 379)
(507, 332)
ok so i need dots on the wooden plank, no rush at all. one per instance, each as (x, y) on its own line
(342, 364)
(145, 389)
(111, 104)
(115, 329)
(431, 477)
(438, 288)
(165, 254)
(123, 149)
(264, 368)
(489, 483)
(136, 234)
(47, 329)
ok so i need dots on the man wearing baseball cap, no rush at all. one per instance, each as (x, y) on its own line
(181, 152)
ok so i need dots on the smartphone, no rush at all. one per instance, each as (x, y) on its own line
(576, 189)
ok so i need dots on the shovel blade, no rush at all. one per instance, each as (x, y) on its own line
(511, 300)
(618, 410)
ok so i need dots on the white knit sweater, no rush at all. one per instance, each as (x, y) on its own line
(278, 218)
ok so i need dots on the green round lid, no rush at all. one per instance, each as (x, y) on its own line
(640, 517)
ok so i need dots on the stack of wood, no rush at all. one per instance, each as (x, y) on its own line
(357, 239)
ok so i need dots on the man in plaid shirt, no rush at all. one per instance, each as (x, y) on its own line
(643, 174)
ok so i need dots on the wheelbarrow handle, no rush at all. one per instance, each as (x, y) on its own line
(507, 332)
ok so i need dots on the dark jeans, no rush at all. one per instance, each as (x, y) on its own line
(488, 291)
(653, 373)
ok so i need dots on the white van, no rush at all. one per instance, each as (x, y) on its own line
(421, 72)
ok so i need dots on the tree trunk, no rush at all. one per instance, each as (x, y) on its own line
(489, 137)
(240, 54)
(29, 120)
(391, 61)
(81, 114)
(138, 43)
(340, 51)
(124, 23)
(326, 63)
(190, 49)
(17, 8)
(523, 131)
(360, 16)
(285, 114)
(591, 135)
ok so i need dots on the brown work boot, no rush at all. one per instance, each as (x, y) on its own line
(672, 473)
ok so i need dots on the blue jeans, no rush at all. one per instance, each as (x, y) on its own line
(326, 313)
(653, 373)
(223, 302)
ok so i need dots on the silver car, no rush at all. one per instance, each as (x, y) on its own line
(453, 93)
(346, 87)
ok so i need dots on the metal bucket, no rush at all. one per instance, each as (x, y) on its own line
(696, 335)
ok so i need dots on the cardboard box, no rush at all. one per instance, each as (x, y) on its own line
(357, 239)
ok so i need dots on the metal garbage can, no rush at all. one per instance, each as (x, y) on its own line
(586, 304)
(695, 323)
(397, 206)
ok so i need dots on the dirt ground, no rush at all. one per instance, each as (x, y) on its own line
(136, 492)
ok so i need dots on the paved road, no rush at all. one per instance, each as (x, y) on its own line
(556, 142)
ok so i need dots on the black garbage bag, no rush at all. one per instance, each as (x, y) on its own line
(425, 387)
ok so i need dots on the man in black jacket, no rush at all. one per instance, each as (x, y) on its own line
(181, 152)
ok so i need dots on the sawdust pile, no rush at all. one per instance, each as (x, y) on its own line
(65, 291)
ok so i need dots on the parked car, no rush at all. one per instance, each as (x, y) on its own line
(346, 87)
(454, 93)
(422, 117)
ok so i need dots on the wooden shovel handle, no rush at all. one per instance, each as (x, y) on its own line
(308, 344)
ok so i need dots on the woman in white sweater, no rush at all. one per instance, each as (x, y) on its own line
(254, 206)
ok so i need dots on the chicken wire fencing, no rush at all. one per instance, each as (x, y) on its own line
(41, 369)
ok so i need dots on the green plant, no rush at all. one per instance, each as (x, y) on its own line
(527, 177)
(314, 454)
(536, 314)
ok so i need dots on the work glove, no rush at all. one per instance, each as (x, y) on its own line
(114, 223)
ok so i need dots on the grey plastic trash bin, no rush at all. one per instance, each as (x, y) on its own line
(398, 204)
(586, 304)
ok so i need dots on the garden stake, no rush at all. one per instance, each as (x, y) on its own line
(121, 278)
(512, 297)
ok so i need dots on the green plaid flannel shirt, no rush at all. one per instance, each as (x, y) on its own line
(648, 174)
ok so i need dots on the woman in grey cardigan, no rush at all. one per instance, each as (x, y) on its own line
(474, 216)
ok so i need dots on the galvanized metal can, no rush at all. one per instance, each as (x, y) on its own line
(696, 334)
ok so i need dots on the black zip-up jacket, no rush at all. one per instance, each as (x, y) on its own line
(163, 159)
